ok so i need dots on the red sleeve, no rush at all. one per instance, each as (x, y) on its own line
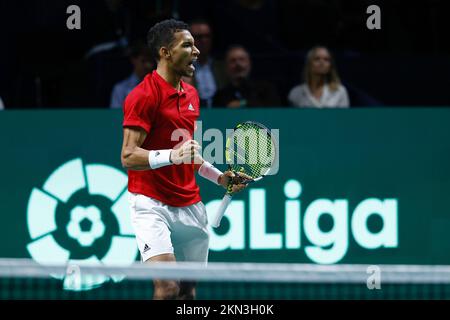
(139, 109)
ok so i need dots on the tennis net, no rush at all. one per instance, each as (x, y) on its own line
(26, 279)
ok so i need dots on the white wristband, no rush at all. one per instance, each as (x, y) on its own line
(208, 171)
(159, 158)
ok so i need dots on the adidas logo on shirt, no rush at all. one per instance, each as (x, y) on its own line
(146, 248)
(191, 108)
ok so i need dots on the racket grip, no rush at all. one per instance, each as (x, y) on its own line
(221, 211)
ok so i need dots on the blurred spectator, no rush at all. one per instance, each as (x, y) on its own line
(140, 58)
(242, 90)
(322, 87)
(209, 73)
(2, 106)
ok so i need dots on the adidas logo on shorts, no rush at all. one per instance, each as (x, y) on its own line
(146, 248)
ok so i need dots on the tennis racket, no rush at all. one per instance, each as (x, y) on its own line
(251, 154)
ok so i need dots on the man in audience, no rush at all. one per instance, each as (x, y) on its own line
(140, 58)
(242, 90)
(209, 72)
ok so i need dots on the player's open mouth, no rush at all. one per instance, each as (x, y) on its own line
(191, 64)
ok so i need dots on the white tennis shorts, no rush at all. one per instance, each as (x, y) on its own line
(161, 229)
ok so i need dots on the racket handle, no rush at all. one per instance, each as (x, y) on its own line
(221, 211)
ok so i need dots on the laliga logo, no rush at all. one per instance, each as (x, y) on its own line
(80, 217)
(326, 246)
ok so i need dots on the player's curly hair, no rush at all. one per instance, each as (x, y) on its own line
(162, 35)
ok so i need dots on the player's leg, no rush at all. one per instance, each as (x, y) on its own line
(153, 238)
(187, 290)
(195, 250)
(164, 289)
(191, 242)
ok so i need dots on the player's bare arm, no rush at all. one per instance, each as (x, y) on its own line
(133, 156)
(136, 158)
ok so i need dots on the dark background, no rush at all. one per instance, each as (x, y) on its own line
(406, 63)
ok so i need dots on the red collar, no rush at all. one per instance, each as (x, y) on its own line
(167, 87)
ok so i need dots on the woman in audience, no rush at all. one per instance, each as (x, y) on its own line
(322, 87)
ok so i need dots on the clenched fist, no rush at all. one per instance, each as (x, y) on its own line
(187, 153)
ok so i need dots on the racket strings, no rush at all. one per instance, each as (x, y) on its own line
(251, 151)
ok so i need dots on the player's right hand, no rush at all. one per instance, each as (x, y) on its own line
(188, 152)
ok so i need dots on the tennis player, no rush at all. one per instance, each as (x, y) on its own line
(167, 214)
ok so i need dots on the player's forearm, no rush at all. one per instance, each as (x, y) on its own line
(135, 159)
(208, 171)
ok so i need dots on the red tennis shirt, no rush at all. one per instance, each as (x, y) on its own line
(158, 108)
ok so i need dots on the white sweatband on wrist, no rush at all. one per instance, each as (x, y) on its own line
(208, 171)
(159, 158)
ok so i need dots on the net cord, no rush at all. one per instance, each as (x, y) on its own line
(237, 272)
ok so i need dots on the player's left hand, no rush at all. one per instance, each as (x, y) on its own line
(237, 180)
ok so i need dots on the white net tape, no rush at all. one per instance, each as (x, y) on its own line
(239, 272)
